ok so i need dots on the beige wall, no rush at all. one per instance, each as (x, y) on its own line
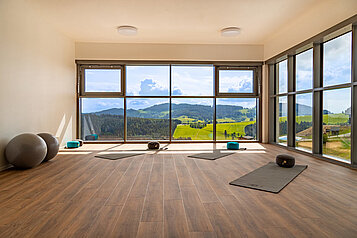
(37, 76)
(212, 52)
(312, 22)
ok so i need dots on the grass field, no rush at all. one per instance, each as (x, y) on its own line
(328, 119)
(206, 133)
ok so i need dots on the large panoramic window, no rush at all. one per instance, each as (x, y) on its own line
(168, 102)
(236, 119)
(317, 108)
(102, 118)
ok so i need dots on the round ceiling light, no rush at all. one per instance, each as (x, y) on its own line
(230, 31)
(127, 30)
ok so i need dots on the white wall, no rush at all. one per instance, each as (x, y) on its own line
(113, 51)
(37, 76)
(317, 19)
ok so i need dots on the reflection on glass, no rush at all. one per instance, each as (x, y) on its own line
(102, 119)
(192, 80)
(337, 123)
(282, 69)
(102, 80)
(304, 70)
(236, 119)
(303, 124)
(192, 119)
(147, 118)
(337, 60)
(147, 80)
(282, 122)
(236, 81)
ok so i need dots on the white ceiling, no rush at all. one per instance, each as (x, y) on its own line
(170, 21)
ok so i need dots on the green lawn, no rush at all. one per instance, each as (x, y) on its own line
(206, 133)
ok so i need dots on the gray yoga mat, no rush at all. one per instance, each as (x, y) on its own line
(269, 178)
(115, 156)
(210, 156)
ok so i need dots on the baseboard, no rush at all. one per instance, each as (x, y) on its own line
(6, 166)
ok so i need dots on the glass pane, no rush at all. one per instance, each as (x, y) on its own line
(337, 123)
(236, 119)
(282, 124)
(304, 70)
(102, 80)
(147, 118)
(192, 80)
(236, 81)
(192, 119)
(102, 119)
(282, 69)
(303, 122)
(338, 60)
(147, 80)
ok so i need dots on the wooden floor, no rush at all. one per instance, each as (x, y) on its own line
(166, 194)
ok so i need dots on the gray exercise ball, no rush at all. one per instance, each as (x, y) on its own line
(26, 151)
(52, 145)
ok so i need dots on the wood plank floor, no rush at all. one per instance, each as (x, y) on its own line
(167, 194)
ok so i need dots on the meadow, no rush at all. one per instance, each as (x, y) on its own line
(206, 133)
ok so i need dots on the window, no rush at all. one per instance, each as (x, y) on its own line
(148, 80)
(236, 119)
(148, 118)
(192, 80)
(303, 122)
(337, 123)
(304, 70)
(282, 122)
(318, 108)
(102, 80)
(236, 81)
(168, 102)
(337, 60)
(102, 118)
(282, 73)
(192, 118)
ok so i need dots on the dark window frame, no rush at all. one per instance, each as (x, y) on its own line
(83, 64)
(82, 80)
(237, 94)
(316, 42)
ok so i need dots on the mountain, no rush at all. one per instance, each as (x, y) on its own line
(194, 111)
(301, 110)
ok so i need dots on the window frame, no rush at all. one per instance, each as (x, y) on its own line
(82, 81)
(237, 94)
(83, 64)
(317, 43)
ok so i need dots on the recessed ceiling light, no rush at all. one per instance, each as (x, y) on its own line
(230, 31)
(127, 30)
